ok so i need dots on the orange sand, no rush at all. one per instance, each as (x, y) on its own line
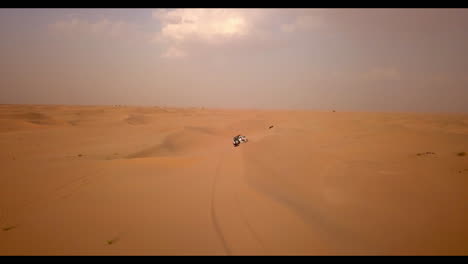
(94, 180)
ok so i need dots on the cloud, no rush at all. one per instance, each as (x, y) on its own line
(303, 23)
(184, 32)
(103, 27)
(206, 25)
(174, 52)
(182, 29)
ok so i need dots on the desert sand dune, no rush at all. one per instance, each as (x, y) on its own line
(127, 180)
(137, 119)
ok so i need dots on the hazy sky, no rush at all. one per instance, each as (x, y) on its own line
(343, 59)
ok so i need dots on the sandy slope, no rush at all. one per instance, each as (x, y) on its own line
(161, 181)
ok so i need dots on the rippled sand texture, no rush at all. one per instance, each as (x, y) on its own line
(118, 180)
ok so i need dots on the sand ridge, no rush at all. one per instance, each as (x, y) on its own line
(127, 180)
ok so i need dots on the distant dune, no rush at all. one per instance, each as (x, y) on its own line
(125, 180)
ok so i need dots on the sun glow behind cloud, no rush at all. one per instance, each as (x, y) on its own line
(279, 56)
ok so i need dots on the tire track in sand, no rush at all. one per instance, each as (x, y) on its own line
(214, 217)
(230, 223)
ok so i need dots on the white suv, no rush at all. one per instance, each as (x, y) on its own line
(237, 140)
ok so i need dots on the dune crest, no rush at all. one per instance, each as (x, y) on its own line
(100, 180)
